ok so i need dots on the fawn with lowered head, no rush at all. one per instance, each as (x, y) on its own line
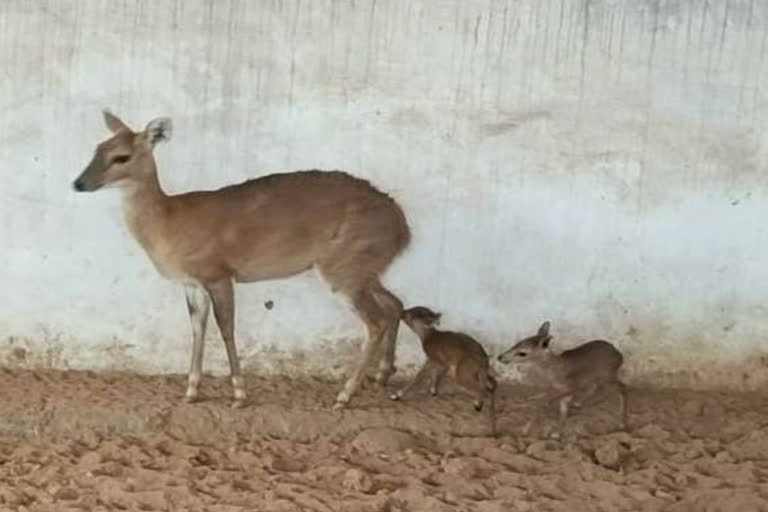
(583, 370)
(270, 227)
(451, 351)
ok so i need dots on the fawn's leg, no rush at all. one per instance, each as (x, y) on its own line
(586, 395)
(622, 388)
(437, 374)
(423, 372)
(564, 405)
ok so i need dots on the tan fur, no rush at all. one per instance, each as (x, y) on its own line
(453, 352)
(582, 370)
(270, 227)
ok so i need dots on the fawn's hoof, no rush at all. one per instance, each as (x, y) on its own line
(190, 399)
(478, 406)
(238, 403)
(339, 406)
(394, 396)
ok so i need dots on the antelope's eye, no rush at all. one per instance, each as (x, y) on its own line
(521, 354)
(121, 159)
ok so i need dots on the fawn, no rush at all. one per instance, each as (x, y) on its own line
(451, 351)
(581, 370)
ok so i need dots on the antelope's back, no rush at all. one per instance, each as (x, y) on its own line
(282, 223)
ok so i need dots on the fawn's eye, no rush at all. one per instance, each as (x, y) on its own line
(521, 354)
(121, 159)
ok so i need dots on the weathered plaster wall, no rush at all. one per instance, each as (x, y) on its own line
(599, 163)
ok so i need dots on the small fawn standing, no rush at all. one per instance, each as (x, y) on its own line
(270, 227)
(454, 351)
(584, 369)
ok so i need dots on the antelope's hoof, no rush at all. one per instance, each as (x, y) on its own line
(190, 399)
(433, 392)
(394, 396)
(478, 406)
(238, 403)
(339, 406)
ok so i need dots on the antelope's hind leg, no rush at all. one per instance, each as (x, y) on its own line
(371, 313)
(392, 308)
(223, 298)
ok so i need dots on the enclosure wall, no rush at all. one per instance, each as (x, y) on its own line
(600, 164)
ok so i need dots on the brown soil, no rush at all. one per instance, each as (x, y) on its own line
(85, 441)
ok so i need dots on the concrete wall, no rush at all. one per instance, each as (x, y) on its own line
(599, 163)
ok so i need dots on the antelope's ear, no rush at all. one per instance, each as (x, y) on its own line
(114, 124)
(159, 130)
(544, 329)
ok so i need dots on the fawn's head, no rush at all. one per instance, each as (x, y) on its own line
(530, 349)
(122, 158)
(420, 319)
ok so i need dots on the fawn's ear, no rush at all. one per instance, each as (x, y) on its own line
(437, 317)
(544, 342)
(114, 124)
(159, 130)
(544, 329)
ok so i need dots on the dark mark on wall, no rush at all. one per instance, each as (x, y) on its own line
(738, 201)
(269, 304)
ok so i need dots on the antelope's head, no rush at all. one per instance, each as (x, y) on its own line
(124, 157)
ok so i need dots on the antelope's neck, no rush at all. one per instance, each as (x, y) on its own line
(145, 208)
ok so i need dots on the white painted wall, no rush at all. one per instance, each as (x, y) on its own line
(599, 163)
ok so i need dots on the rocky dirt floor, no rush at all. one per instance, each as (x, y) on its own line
(86, 441)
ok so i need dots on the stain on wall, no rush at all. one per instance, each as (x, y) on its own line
(598, 163)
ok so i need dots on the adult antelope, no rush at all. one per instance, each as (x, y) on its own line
(270, 227)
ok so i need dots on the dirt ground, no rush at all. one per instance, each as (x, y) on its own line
(86, 441)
